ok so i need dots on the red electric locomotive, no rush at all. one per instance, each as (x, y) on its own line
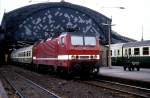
(70, 52)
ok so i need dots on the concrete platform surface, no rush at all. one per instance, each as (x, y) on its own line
(117, 71)
(2, 91)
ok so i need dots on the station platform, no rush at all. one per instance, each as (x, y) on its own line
(117, 74)
(2, 91)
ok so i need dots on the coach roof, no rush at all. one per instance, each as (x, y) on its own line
(137, 44)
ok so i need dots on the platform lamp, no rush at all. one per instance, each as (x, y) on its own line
(109, 35)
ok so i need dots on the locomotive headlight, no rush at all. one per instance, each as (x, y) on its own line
(91, 56)
(77, 57)
(73, 57)
(34, 58)
(95, 57)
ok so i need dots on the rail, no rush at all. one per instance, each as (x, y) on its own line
(13, 86)
(21, 85)
(111, 88)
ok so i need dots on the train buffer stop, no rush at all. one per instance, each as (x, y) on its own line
(118, 72)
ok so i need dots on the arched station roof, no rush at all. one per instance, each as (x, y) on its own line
(39, 21)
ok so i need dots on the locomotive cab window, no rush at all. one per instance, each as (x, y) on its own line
(136, 51)
(62, 40)
(145, 50)
(76, 40)
(90, 40)
(80, 40)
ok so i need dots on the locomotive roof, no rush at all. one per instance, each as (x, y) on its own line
(78, 33)
(137, 44)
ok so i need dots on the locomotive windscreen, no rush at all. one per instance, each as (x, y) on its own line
(76, 40)
(89, 40)
(80, 40)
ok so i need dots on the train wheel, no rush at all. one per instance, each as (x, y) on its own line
(37, 67)
(51, 70)
(84, 75)
(43, 69)
(58, 70)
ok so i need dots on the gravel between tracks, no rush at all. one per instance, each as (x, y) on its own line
(65, 88)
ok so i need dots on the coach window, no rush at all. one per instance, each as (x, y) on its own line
(62, 40)
(29, 53)
(136, 51)
(125, 51)
(114, 52)
(129, 51)
(111, 52)
(145, 50)
(118, 52)
(24, 54)
(20, 54)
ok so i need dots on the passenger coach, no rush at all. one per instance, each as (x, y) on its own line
(135, 53)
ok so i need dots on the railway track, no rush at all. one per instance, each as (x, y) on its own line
(10, 89)
(107, 89)
(25, 88)
(121, 89)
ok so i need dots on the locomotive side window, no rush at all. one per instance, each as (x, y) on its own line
(76, 40)
(136, 51)
(145, 50)
(62, 41)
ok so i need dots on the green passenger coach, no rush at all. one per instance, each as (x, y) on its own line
(131, 55)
